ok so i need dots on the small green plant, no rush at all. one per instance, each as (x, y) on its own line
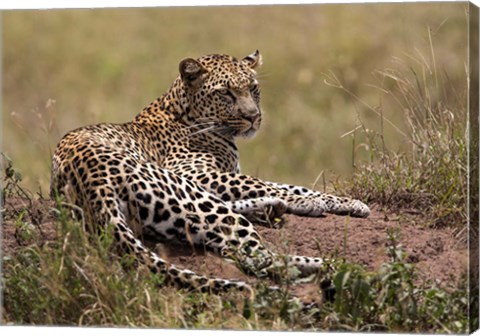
(24, 231)
(395, 287)
(10, 178)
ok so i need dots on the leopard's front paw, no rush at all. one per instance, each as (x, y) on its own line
(347, 206)
(359, 209)
(307, 206)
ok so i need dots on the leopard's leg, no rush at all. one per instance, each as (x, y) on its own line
(233, 187)
(109, 211)
(176, 208)
(266, 210)
(249, 206)
(106, 200)
(335, 204)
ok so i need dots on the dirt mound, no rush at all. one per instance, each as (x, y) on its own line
(437, 254)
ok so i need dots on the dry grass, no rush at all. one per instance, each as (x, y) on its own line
(430, 178)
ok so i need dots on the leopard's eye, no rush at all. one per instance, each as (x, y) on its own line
(223, 92)
(227, 94)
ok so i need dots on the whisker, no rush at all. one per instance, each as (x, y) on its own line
(262, 74)
(201, 124)
(203, 130)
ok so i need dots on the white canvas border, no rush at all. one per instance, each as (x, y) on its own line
(51, 4)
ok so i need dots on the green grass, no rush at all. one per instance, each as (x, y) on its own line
(78, 279)
(83, 283)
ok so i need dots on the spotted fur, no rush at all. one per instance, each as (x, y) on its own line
(173, 172)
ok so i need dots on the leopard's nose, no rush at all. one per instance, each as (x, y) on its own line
(252, 117)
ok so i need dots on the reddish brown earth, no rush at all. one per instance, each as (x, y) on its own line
(436, 253)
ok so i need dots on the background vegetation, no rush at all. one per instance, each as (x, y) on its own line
(67, 68)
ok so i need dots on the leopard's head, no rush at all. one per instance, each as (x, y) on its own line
(222, 93)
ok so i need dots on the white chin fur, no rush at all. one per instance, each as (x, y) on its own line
(249, 134)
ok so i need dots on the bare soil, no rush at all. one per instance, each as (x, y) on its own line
(437, 254)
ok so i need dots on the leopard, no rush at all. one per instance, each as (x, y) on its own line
(173, 173)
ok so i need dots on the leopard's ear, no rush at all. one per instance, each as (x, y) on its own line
(192, 72)
(253, 60)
